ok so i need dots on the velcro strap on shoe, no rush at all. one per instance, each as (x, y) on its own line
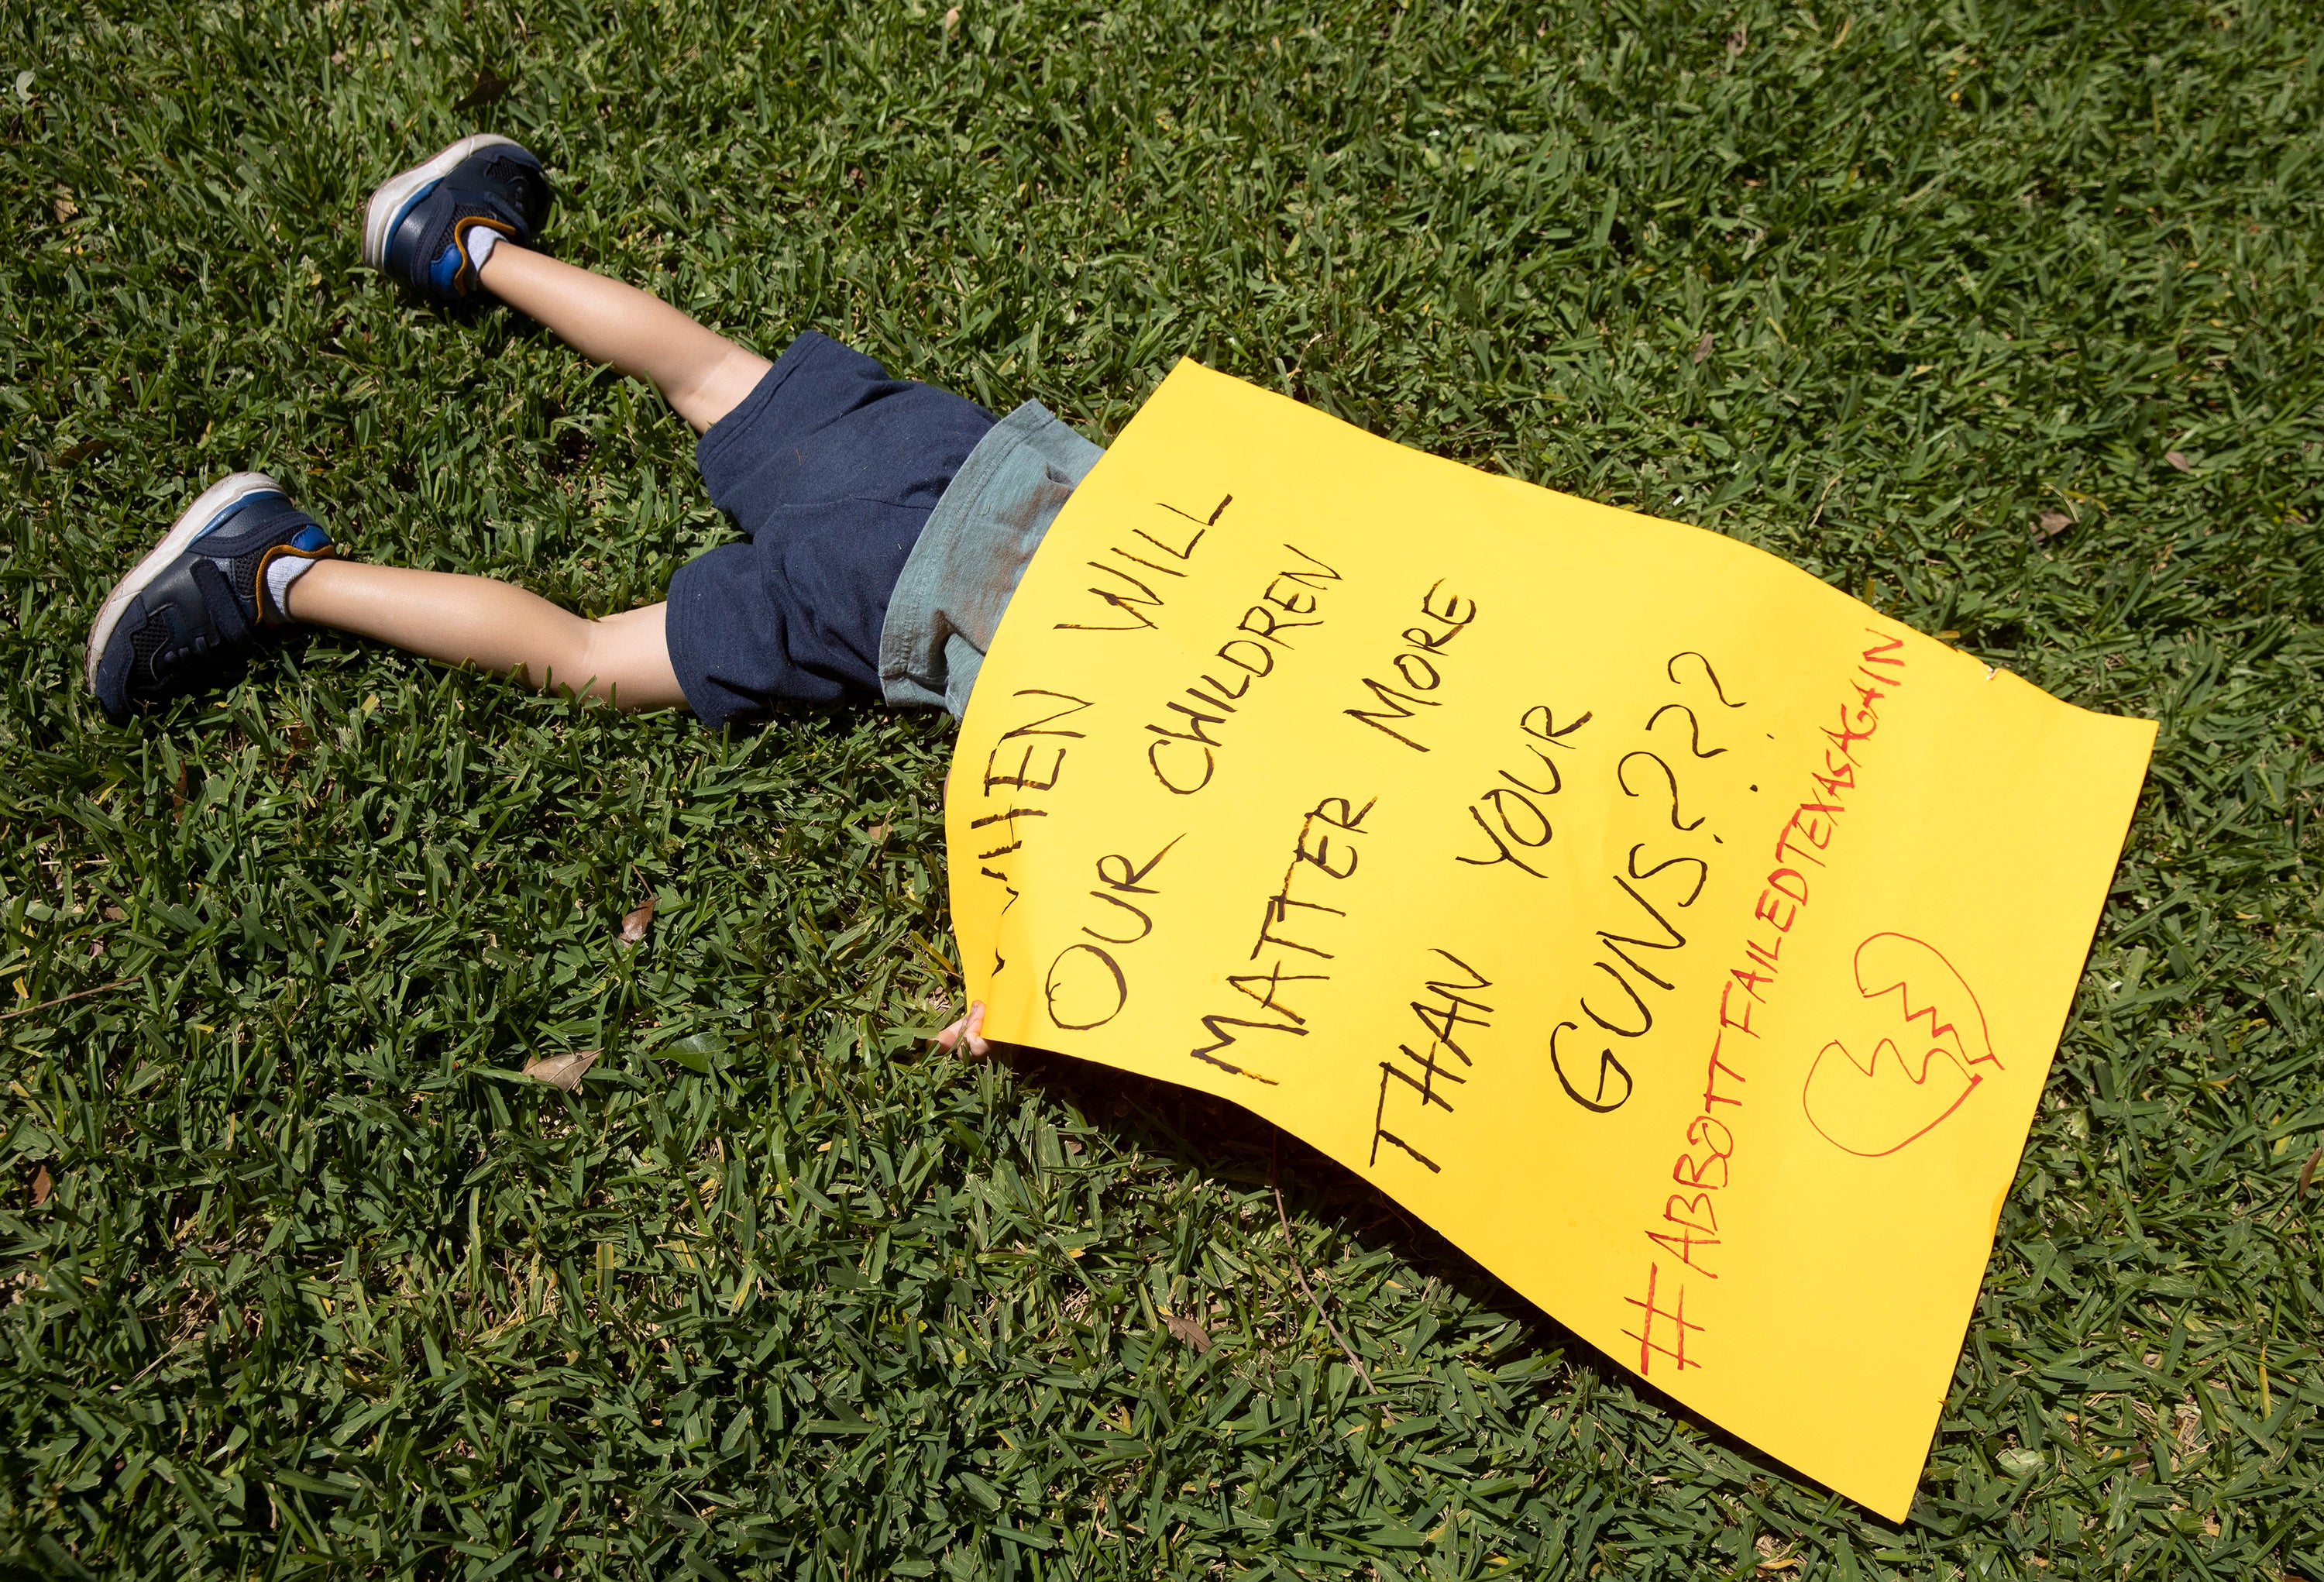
(224, 608)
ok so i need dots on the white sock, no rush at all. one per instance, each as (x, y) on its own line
(281, 572)
(482, 240)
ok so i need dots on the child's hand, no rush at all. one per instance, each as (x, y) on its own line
(969, 1028)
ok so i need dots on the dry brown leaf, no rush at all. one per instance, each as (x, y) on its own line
(1738, 40)
(635, 924)
(563, 1071)
(66, 206)
(878, 833)
(2054, 522)
(490, 87)
(1703, 348)
(41, 1186)
(2178, 458)
(952, 19)
(114, 914)
(1189, 1331)
(1774, 1556)
(2308, 1171)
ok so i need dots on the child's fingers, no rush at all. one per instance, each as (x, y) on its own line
(969, 1028)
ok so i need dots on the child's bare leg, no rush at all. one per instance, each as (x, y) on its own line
(494, 626)
(472, 620)
(504, 629)
(701, 373)
(243, 556)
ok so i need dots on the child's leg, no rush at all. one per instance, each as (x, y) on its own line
(472, 620)
(243, 558)
(494, 626)
(499, 628)
(460, 221)
(428, 226)
(700, 373)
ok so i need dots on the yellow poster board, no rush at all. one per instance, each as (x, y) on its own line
(1685, 939)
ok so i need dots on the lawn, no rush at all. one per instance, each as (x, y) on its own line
(2004, 317)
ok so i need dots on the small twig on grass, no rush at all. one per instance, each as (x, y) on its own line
(61, 999)
(1291, 1248)
(1830, 484)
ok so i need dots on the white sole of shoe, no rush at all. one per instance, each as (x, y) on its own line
(212, 503)
(394, 195)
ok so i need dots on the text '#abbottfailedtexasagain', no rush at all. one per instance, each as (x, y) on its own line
(1688, 1226)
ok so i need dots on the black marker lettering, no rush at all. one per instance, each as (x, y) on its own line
(1275, 979)
(1022, 777)
(1082, 955)
(1155, 752)
(1607, 1065)
(1260, 649)
(1310, 578)
(1037, 727)
(1392, 706)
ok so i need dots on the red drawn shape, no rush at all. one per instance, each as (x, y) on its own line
(1928, 1050)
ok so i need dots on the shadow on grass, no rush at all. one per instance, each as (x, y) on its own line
(1223, 1141)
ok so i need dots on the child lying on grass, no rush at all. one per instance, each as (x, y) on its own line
(886, 521)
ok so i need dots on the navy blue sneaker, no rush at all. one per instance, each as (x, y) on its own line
(200, 595)
(416, 226)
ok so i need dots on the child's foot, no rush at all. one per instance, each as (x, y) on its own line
(213, 581)
(419, 225)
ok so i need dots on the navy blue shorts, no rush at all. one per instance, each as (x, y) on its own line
(830, 468)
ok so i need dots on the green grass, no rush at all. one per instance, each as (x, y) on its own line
(319, 1285)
